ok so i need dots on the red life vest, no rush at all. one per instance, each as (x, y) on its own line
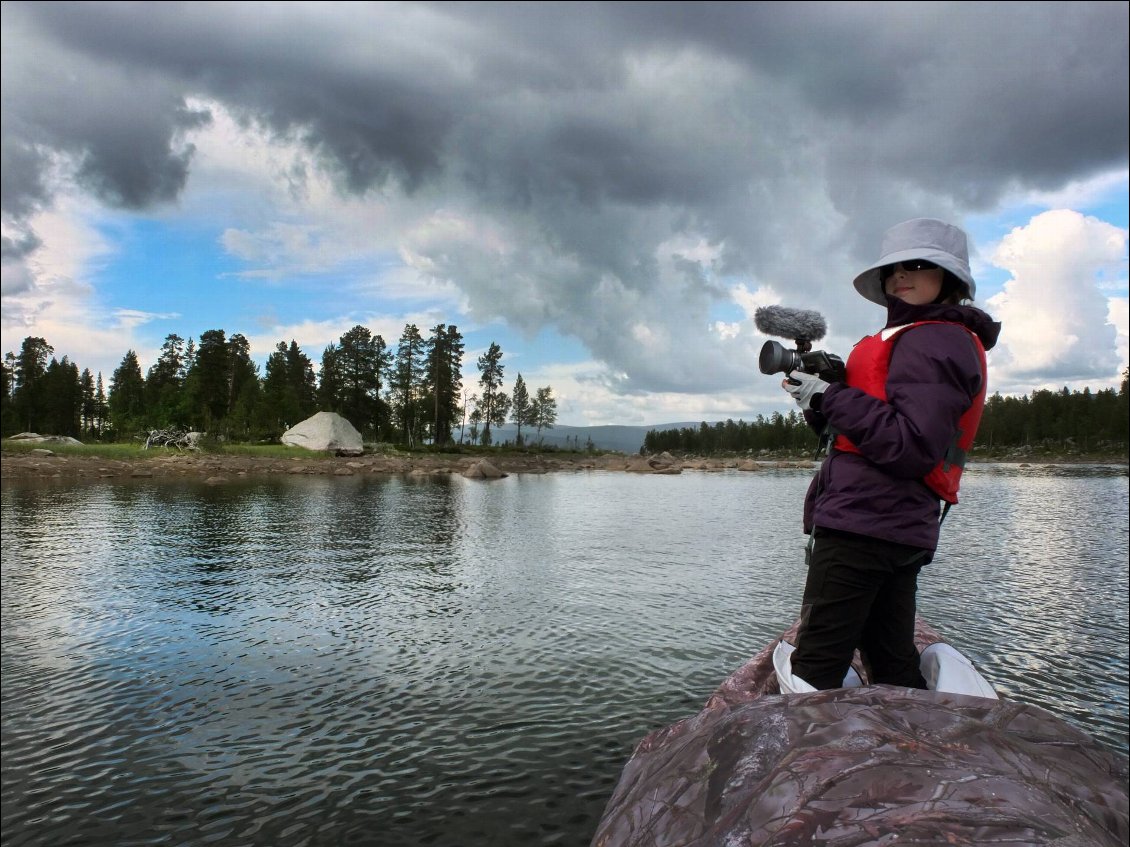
(867, 369)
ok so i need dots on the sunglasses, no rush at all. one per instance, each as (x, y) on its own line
(909, 265)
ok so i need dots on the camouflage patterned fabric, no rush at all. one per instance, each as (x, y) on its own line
(872, 765)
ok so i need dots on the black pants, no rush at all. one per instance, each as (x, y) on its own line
(860, 593)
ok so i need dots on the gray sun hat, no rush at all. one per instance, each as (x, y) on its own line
(921, 238)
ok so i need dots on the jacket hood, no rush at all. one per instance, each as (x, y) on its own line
(972, 318)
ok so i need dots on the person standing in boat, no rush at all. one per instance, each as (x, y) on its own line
(902, 422)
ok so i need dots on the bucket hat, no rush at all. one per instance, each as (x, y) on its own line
(920, 238)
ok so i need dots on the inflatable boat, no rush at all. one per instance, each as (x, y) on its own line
(771, 761)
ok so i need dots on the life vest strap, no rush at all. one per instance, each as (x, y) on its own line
(955, 456)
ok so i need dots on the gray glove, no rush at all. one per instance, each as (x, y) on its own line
(806, 389)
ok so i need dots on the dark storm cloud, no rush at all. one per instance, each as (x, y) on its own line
(276, 64)
(787, 135)
(22, 170)
(119, 126)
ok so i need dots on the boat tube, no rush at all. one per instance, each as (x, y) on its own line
(767, 762)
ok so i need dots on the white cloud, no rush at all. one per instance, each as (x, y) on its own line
(1077, 194)
(313, 336)
(1120, 319)
(1056, 322)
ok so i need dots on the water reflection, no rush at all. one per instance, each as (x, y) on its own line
(437, 661)
(1050, 620)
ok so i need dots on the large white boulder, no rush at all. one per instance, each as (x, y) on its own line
(36, 438)
(325, 431)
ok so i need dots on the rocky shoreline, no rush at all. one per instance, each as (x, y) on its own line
(45, 464)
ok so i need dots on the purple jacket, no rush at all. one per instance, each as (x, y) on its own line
(934, 375)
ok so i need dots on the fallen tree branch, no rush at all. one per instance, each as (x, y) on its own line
(177, 438)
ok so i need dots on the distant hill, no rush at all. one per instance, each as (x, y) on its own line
(622, 439)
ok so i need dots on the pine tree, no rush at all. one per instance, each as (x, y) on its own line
(88, 408)
(7, 413)
(444, 379)
(127, 397)
(521, 408)
(300, 372)
(493, 403)
(243, 388)
(208, 383)
(406, 383)
(544, 412)
(360, 362)
(329, 382)
(62, 400)
(101, 406)
(28, 370)
(288, 391)
(164, 385)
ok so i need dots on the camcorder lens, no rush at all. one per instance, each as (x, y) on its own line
(776, 358)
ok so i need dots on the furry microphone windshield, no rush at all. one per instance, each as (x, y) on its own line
(790, 323)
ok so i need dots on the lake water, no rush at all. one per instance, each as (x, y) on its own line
(438, 661)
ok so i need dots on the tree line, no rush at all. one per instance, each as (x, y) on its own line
(414, 394)
(409, 394)
(1080, 420)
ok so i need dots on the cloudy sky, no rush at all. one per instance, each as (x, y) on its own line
(607, 190)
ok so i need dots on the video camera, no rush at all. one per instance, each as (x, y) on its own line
(803, 327)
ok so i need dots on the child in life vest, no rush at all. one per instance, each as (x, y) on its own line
(903, 419)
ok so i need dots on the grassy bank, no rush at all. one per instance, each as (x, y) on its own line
(134, 452)
(137, 452)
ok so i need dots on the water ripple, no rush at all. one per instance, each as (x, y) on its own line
(413, 662)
